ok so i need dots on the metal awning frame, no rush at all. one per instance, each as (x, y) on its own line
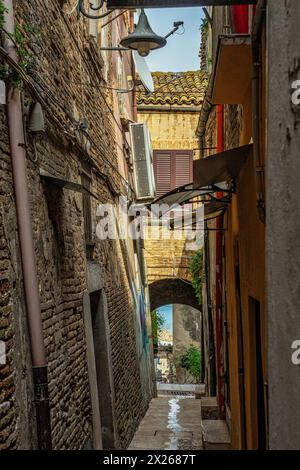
(206, 191)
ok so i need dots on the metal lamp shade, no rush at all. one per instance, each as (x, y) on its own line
(143, 39)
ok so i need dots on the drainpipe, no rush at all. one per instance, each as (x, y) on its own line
(18, 157)
(256, 73)
(212, 383)
(219, 277)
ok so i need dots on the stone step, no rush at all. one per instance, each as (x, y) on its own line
(215, 434)
(209, 408)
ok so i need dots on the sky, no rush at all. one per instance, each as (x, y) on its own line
(167, 313)
(181, 52)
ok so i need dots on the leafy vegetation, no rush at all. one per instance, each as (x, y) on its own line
(204, 24)
(157, 326)
(190, 360)
(2, 11)
(196, 270)
(25, 57)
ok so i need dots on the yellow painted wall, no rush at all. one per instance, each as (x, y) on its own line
(245, 246)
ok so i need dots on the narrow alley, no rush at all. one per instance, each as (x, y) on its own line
(178, 422)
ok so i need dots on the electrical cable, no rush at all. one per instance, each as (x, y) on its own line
(69, 13)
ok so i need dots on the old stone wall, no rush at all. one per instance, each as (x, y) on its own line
(67, 69)
(186, 332)
(172, 130)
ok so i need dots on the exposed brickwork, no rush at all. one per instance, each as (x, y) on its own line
(57, 214)
(167, 258)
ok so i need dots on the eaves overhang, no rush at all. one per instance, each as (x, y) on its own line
(233, 69)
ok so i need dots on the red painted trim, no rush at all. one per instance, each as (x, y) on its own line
(219, 280)
(240, 19)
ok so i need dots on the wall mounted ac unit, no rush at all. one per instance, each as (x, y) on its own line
(142, 162)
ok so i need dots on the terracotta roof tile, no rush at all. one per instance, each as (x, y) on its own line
(187, 89)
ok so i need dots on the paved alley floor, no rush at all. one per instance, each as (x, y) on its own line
(171, 423)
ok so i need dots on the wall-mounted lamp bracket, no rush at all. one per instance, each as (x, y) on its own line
(82, 11)
(177, 25)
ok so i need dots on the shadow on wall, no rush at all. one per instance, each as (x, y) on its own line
(172, 291)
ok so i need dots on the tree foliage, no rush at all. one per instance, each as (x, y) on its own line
(196, 270)
(190, 360)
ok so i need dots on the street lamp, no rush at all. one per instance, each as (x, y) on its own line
(143, 39)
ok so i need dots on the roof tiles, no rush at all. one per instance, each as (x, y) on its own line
(187, 89)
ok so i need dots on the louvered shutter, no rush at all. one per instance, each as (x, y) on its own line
(172, 168)
(162, 172)
(183, 168)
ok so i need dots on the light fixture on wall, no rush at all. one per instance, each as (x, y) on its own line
(143, 39)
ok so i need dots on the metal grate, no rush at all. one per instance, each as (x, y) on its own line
(174, 393)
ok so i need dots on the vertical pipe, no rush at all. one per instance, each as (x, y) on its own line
(211, 341)
(256, 78)
(219, 278)
(18, 157)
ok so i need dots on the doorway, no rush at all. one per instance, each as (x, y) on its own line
(255, 320)
(102, 353)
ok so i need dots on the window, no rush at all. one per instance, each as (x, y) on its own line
(172, 168)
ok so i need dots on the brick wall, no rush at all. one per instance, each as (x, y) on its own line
(65, 61)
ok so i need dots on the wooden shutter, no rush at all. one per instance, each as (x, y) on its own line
(183, 168)
(172, 168)
(162, 171)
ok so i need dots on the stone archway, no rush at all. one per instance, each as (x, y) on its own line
(172, 291)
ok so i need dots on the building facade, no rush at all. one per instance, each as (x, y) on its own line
(90, 309)
(244, 316)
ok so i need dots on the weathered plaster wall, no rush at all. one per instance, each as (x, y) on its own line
(283, 242)
(186, 332)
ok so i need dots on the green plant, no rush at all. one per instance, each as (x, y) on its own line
(196, 270)
(204, 24)
(25, 56)
(2, 11)
(157, 326)
(190, 360)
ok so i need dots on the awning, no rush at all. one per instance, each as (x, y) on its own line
(220, 167)
(209, 175)
(233, 70)
(184, 194)
(212, 210)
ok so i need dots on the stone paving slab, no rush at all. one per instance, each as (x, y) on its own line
(215, 435)
(170, 424)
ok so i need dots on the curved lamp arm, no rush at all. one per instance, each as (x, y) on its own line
(82, 10)
(98, 7)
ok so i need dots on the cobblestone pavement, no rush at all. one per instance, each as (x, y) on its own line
(171, 423)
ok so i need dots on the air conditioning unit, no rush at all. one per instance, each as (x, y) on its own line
(142, 162)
